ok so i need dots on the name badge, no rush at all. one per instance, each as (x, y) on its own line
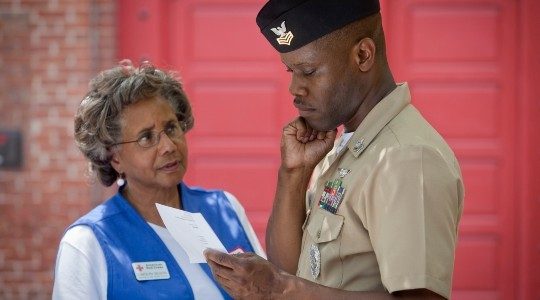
(150, 270)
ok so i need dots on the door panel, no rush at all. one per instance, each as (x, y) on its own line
(462, 79)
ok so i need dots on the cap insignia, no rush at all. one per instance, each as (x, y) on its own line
(285, 37)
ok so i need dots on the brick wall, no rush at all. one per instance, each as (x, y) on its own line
(48, 52)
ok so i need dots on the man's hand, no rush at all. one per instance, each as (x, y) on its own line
(301, 150)
(249, 276)
(302, 146)
(246, 275)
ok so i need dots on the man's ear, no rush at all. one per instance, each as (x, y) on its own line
(364, 52)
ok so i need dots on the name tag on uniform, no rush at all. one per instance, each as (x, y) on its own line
(150, 270)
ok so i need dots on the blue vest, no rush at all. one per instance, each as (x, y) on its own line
(126, 237)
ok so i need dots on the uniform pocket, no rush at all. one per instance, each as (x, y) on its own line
(324, 226)
(320, 260)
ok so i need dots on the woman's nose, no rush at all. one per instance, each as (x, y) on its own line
(165, 143)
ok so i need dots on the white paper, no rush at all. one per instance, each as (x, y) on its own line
(191, 231)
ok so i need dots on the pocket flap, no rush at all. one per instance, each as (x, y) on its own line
(324, 226)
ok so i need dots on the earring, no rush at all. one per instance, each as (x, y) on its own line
(121, 181)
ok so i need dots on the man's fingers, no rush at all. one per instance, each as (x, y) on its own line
(227, 279)
(314, 134)
(234, 289)
(303, 131)
(321, 135)
(244, 275)
(230, 286)
(220, 258)
(222, 271)
(224, 281)
(235, 268)
(331, 135)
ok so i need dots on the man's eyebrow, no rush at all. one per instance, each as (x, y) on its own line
(300, 64)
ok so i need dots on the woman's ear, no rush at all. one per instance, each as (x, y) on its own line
(364, 52)
(115, 162)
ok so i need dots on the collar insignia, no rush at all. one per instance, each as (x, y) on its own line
(359, 146)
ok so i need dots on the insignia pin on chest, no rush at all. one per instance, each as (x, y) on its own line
(315, 261)
(343, 172)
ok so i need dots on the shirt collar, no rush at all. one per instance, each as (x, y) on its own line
(389, 107)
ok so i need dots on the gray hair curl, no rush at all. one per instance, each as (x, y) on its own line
(98, 118)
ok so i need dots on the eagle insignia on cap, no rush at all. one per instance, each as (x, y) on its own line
(285, 37)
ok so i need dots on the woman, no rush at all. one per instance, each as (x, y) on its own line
(131, 127)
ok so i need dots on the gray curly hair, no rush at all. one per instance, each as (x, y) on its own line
(98, 119)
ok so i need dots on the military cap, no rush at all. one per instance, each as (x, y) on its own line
(291, 24)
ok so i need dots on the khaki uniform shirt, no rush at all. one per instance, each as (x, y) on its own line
(396, 225)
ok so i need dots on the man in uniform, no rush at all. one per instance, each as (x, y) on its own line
(373, 215)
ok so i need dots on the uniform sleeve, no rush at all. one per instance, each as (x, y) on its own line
(413, 206)
(241, 213)
(81, 270)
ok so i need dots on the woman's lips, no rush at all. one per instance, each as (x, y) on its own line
(171, 166)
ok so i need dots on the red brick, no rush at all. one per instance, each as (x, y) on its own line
(51, 190)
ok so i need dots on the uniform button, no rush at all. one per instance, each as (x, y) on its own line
(318, 234)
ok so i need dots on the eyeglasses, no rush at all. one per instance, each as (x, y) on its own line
(150, 138)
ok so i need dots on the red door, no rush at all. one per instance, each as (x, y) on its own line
(235, 83)
(463, 80)
(461, 62)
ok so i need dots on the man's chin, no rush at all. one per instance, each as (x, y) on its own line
(319, 126)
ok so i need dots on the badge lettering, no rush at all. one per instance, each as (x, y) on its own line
(150, 270)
